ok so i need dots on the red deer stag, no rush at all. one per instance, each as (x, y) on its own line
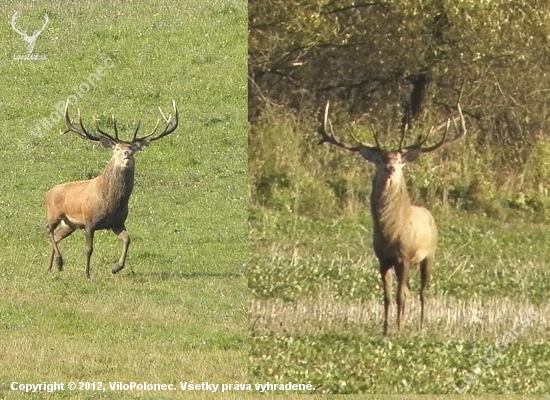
(404, 235)
(102, 202)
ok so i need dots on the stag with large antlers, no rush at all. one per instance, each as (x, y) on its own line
(404, 235)
(102, 202)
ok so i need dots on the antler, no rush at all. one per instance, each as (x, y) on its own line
(171, 125)
(115, 139)
(82, 131)
(443, 142)
(330, 138)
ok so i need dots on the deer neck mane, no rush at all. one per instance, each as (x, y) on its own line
(390, 205)
(116, 183)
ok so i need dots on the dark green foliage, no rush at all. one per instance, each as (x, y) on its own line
(402, 61)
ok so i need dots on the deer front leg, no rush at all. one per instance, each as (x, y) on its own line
(402, 273)
(53, 251)
(385, 271)
(122, 235)
(426, 267)
(89, 249)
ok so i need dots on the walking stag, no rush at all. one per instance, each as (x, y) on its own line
(102, 202)
(404, 235)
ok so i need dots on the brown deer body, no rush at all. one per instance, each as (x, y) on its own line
(404, 235)
(102, 202)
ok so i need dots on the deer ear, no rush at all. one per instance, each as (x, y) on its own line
(410, 155)
(141, 144)
(107, 143)
(371, 155)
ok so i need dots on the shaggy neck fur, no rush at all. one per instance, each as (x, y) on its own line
(117, 183)
(390, 205)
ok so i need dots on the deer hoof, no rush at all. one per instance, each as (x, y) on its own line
(59, 262)
(117, 268)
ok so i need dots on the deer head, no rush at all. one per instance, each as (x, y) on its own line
(123, 151)
(389, 163)
(30, 40)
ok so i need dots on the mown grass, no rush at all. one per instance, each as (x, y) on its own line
(446, 317)
(178, 309)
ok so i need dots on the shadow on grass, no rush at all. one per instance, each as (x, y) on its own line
(171, 275)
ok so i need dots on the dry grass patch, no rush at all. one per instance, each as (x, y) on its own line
(447, 317)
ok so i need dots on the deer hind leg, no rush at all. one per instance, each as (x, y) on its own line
(402, 273)
(56, 236)
(385, 272)
(426, 266)
(122, 235)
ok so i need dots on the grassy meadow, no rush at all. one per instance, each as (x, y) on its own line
(178, 311)
(315, 304)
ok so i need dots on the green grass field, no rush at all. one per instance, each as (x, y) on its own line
(316, 313)
(178, 311)
(315, 304)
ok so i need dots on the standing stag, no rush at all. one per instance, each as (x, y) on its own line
(404, 235)
(102, 202)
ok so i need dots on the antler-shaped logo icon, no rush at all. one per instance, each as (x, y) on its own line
(29, 39)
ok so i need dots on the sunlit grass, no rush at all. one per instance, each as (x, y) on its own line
(178, 309)
(316, 310)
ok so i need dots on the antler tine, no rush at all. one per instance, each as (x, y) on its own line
(403, 133)
(361, 144)
(149, 134)
(171, 125)
(71, 128)
(330, 138)
(114, 125)
(422, 142)
(136, 131)
(325, 120)
(462, 122)
(102, 133)
(375, 136)
(164, 116)
(325, 137)
(444, 142)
